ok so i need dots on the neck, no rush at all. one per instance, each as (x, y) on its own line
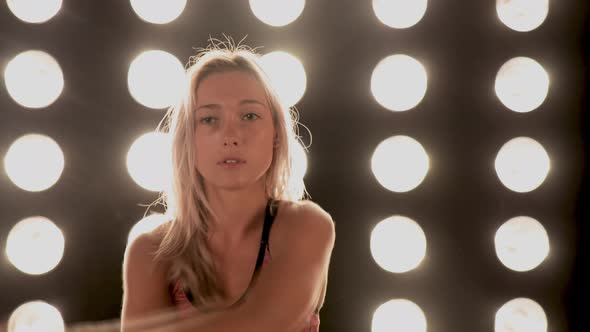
(239, 212)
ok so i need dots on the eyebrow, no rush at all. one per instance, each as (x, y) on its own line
(242, 102)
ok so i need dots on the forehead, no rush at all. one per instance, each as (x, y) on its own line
(229, 87)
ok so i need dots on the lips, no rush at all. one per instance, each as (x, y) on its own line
(239, 161)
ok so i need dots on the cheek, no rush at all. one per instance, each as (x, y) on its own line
(266, 148)
(201, 150)
(263, 142)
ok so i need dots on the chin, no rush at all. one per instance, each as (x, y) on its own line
(234, 182)
(233, 185)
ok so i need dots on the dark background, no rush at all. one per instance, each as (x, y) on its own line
(460, 122)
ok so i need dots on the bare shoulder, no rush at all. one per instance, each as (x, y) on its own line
(141, 251)
(145, 287)
(307, 212)
(144, 246)
(305, 218)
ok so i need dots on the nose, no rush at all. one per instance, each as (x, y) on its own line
(230, 141)
(230, 135)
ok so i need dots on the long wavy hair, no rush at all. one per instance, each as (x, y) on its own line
(184, 246)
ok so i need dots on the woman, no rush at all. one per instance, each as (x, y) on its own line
(242, 251)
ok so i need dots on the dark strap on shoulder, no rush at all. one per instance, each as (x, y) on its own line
(271, 211)
(268, 220)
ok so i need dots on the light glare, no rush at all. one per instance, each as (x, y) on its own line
(522, 164)
(35, 245)
(399, 82)
(522, 84)
(299, 163)
(287, 75)
(521, 243)
(34, 162)
(520, 315)
(149, 161)
(155, 79)
(36, 316)
(400, 14)
(158, 11)
(398, 244)
(398, 315)
(522, 15)
(34, 11)
(400, 163)
(34, 79)
(277, 13)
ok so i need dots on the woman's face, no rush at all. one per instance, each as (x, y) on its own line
(233, 121)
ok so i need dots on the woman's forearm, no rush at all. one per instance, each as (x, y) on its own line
(246, 317)
(232, 320)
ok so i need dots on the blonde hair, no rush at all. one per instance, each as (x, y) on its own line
(183, 244)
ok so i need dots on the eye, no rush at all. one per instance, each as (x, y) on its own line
(251, 116)
(206, 119)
